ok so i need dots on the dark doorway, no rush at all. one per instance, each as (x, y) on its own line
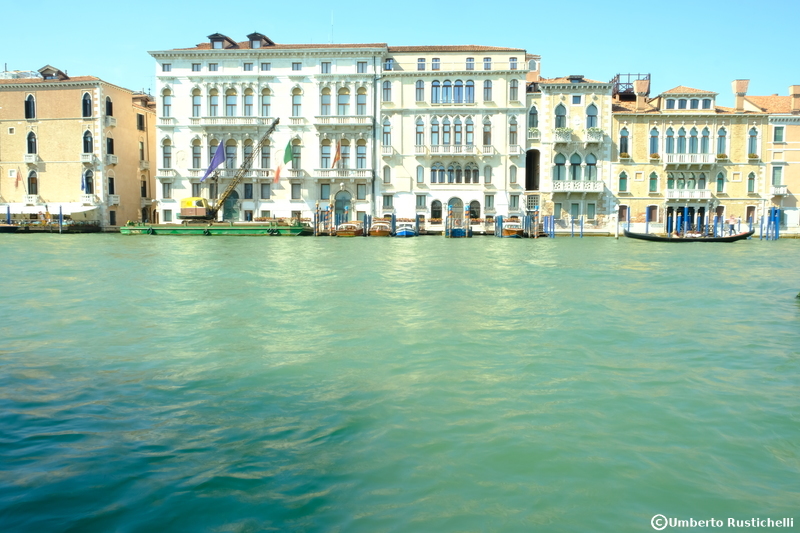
(532, 170)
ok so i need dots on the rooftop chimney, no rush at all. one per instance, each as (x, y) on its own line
(739, 91)
(794, 92)
(642, 90)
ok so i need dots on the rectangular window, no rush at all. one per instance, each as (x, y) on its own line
(777, 176)
(487, 63)
(557, 210)
(139, 122)
(266, 214)
(388, 64)
(513, 201)
(296, 215)
(196, 190)
(325, 67)
(195, 67)
(387, 201)
(361, 191)
(777, 135)
(167, 215)
(591, 211)
(325, 191)
(166, 67)
(576, 99)
(512, 63)
(248, 191)
(421, 63)
(361, 67)
(682, 103)
(470, 63)
(110, 146)
(488, 201)
(144, 189)
(166, 190)
(297, 66)
(213, 67)
(248, 67)
(421, 204)
(266, 66)
(111, 188)
(435, 63)
(707, 103)
(295, 191)
(266, 191)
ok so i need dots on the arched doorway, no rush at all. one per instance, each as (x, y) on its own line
(343, 200)
(532, 170)
(456, 208)
(230, 211)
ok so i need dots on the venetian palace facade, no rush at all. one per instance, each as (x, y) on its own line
(417, 130)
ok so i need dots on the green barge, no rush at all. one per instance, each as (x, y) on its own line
(270, 229)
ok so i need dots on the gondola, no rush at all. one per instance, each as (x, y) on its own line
(657, 238)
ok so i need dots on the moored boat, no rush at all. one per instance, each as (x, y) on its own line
(380, 229)
(405, 229)
(512, 229)
(350, 229)
(8, 228)
(660, 238)
(292, 228)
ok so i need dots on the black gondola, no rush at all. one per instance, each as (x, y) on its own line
(657, 238)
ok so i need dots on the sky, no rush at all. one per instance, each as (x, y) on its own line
(702, 44)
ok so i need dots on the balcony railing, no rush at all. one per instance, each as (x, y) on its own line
(111, 159)
(166, 121)
(166, 172)
(534, 135)
(453, 149)
(88, 199)
(688, 194)
(144, 165)
(387, 151)
(87, 158)
(420, 149)
(110, 121)
(562, 136)
(487, 149)
(594, 136)
(113, 199)
(343, 172)
(689, 159)
(230, 121)
(296, 121)
(31, 158)
(578, 186)
(779, 190)
(32, 199)
(514, 149)
(352, 120)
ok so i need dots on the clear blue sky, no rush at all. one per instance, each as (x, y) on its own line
(704, 45)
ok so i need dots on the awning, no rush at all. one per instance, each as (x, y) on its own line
(74, 210)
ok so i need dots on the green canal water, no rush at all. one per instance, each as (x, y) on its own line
(398, 385)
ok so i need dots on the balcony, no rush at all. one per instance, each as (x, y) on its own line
(32, 199)
(110, 122)
(111, 159)
(343, 120)
(335, 173)
(562, 136)
(113, 199)
(166, 173)
(88, 199)
(387, 151)
(779, 190)
(581, 186)
(534, 134)
(231, 121)
(166, 121)
(144, 165)
(296, 121)
(514, 149)
(87, 158)
(453, 149)
(594, 136)
(487, 149)
(420, 149)
(689, 159)
(31, 159)
(688, 194)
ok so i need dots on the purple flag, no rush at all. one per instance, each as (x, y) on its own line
(217, 160)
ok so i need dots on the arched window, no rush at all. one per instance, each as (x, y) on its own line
(670, 181)
(297, 101)
(681, 181)
(458, 132)
(693, 141)
(197, 152)
(230, 103)
(248, 103)
(575, 167)
(474, 209)
(32, 148)
(435, 172)
(30, 107)
(487, 91)
(166, 151)
(296, 153)
(447, 92)
(33, 183)
(591, 116)
(513, 90)
(361, 102)
(512, 174)
(654, 141)
(653, 182)
(212, 149)
(86, 105)
(419, 138)
(88, 182)
(343, 102)
(387, 174)
(434, 132)
(446, 131)
(670, 104)
(344, 162)
(752, 143)
(681, 141)
(690, 183)
(487, 132)
(720, 182)
(230, 154)
(109, 107)
(751, 183)
(88, 145)
(266, 154)
(248, 151)
(387, 132)
(721, 142)
(701, 181)
(487, 174)
(196, 103)
(265, 103)
(420, 174)
(670, 141)
(533, 118)
(420, 91)
(704, 141)
(591, 168)
(436, 92)
(325, 102)
(387, 91)
(458, 92)
(470, 132)
(436, 209)
(512, 131)
(561, 116)
(560, 170)
(109, 145)
(451, 174)
(469, 92)
(623, 182)
(213, 103)
(623, 141)
(361, 154)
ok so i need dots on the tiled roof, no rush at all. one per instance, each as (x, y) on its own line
(771, 104)
(630, 107)
(566, 80)
(246, 46)
(680, 89)
(455, 48)
(23, 81)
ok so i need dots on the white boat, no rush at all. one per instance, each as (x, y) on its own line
(405, 229)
